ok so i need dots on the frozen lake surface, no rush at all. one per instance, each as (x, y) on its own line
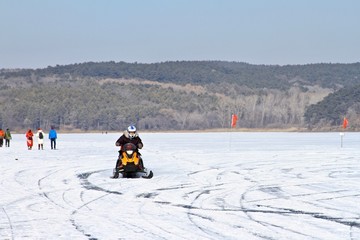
(205, 186)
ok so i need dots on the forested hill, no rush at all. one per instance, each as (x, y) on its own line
(206, 72)
(179, 95)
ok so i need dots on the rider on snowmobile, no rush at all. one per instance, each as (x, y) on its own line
(129, 136)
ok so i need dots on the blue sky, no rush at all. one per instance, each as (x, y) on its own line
(41, 33)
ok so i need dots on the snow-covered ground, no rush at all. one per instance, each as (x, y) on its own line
(205, 186)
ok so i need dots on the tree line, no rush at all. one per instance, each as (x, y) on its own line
(179, 95)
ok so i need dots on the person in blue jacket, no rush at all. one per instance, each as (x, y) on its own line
(53, 137)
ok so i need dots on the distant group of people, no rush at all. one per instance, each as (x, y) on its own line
(40, 135)
(40, 138)
(5, 135)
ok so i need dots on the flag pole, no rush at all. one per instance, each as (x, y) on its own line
(234, 119)
(230, 135)
(342, 134)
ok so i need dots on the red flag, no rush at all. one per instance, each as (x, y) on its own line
(345, 122)
(234, 119)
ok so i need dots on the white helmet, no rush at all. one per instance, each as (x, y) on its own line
(131, 131)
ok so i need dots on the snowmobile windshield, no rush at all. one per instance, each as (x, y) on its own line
(129, 146)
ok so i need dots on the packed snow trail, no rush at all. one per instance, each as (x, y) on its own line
(247, 186)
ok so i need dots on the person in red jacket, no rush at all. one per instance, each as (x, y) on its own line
(29, 139)
(2, 136)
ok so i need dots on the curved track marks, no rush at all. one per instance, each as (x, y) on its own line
(258, 194)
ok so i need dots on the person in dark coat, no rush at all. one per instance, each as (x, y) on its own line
(7, 138)
(129, 136)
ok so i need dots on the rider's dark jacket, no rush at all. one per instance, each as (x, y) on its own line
(126, 139)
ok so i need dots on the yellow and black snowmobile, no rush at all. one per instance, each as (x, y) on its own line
(130, 163)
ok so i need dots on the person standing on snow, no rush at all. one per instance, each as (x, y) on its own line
(40, 139)
(129, 136)
(29, 139)
(2, 136)
(7, 138)
(53, 137)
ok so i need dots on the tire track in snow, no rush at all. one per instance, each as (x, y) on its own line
(45, 194)
(218, 195)
(169, 233)
(279, 195)
(10, 226)
(85, 183)
(88, 186)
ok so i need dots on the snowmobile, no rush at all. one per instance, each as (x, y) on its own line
(131, 164)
